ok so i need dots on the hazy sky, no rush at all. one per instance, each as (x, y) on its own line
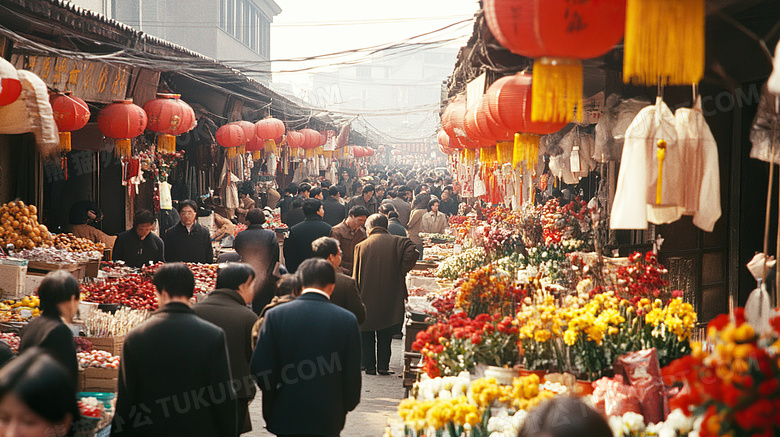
(353, 24)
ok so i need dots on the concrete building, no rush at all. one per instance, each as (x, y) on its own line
(225, 30)
(397, 92)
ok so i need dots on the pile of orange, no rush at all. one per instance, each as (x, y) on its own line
(20, 226)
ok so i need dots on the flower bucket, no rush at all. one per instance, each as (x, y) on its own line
(502, 375)
(583, 388)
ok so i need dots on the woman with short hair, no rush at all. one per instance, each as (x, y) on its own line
(59, 302)
(434, 222)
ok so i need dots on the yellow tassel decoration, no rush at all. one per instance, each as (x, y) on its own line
(661, 156)
(488, 155)
(123, 147)
(257, 154)
(328, 154)
(557, 90)
(270, 146)
(166, 143)
(505, 150)
(241, 149)
(65, 142)
(664, 41)
(526, 148)
(231, 152)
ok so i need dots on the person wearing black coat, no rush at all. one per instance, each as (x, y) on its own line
(307, 359)
(346, 294)
(226, 307)
(138, 246)
(334, 210)
(59, 300)
(297, 247)
(285, 204)
(295, 215)
(188, 241)
(259, 248)
(174, 374)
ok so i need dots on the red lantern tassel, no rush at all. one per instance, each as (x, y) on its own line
(257, 154)
(166, 143)
(123, 147)
(557, 90)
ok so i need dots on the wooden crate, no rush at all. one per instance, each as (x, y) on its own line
(92, 268)
(77, 270)
(112, 345)
(12, 281)
(411, 370)
(100, 380)
(412, 328)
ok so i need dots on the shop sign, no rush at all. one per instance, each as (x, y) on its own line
(91, 81)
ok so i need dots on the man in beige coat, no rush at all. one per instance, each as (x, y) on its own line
(381, 264)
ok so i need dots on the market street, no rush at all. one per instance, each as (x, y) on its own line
(378, 402)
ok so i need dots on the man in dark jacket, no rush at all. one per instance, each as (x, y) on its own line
(366, 200)
(188, 241)
(346, 294)
(285, 204)
(393, 225)
(402, 205)
(449, 203)
(138, 246)
(381, 264)
(349, 233)
(334, 210)
(307, 359)
(259, 248)
(226, 307)
(174, 374)
(297, 247)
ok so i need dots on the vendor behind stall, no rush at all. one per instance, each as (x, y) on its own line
(83, 215)
(188, 241)
(138, 246)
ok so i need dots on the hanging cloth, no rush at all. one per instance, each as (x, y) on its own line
(774, 79)
(699, 152)
(636, 196)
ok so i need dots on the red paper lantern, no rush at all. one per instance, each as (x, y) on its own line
(169, 116)
(249, 133)
(10, 85)
(323, 138)
(472, 129)
(369, 151)
(269, 128)
(122, 120)
(559, 34)
(231, 136)
(311, 139)
(452, 122)
(295, 139)
(509, 102)
(488, 125)
(70, 113)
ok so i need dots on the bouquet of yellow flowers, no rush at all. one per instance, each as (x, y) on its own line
(541, 329)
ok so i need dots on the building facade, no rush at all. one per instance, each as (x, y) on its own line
(225, 30)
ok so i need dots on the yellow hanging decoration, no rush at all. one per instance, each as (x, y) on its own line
(661, 156)
(257, 154)
(505, 151)
(328, 154)
(269, 146)
(526, 148)
(65, 145)
(166, 143)
(487, 155)
(241, 149)
(123, 147)
(231, 152)
(557, 90)
(664, 41)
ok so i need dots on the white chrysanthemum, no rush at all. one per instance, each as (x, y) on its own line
(634, 422)
(678, 421)
(616, 425)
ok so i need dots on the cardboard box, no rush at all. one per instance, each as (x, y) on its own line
(12, 281)
(100, 380)
(112, 345)
(32, 282)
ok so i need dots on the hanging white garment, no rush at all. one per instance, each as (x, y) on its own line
(635, 196)
(166, 202)
(774, 79)
(699, 154)
(298, 174)
(271, 164)
(41, 115)
(612, 126)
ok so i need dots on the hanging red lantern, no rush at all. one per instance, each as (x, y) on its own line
(488, 126)
(456, 110)
(255, 146)
(311, 139)
(169, 116)
(249, 132)
(10, 85)
(231, 136)
(369, 152)
(559, 34)
(510, 104)
(270, 130)
(122, 121)
(295, 139)
(70, 113)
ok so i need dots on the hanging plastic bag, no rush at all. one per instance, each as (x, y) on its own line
(611, 128)
(766, 128)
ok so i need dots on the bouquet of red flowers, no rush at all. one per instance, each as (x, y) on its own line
(735, 386)
(489, 290)
(643, 278)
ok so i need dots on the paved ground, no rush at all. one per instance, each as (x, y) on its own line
(378, 402)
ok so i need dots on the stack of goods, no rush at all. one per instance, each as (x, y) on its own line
(102, 324)
(20, 226)
(72, 243)
(52, 255)
(20, 310)
(134, 290)
(97, 359)
(205, 275)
